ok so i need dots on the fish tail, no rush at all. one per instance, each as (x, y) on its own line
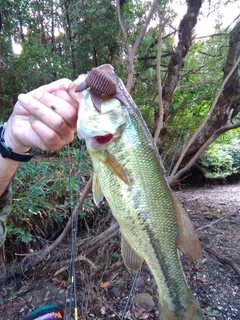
(190, 314)
(192, 311)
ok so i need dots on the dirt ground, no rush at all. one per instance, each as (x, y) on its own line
(104, 284)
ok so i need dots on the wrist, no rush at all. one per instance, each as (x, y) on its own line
(13, 143)
(8, 152)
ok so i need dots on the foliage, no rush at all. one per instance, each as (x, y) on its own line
(196, 89)
(65, 38)
(90, 43)
(222, 158)
(43, 192)
(62, 39)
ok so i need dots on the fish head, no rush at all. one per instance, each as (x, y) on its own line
(99, 128)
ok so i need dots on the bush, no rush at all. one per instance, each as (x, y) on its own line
(43, 191)
(221, 159)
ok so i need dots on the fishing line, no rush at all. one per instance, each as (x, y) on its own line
(74, 229)
(130, 294)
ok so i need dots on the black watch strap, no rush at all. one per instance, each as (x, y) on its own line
(7, 152)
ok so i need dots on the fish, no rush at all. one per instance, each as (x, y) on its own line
(129, 174)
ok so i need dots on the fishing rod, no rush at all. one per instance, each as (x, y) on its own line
(73, 293)
(74, 230)
(130, 294)
(54, 311)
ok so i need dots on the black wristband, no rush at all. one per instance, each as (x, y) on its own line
(7, 152)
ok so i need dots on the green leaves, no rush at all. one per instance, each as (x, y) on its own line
(22, 234)
(43, 191)
(65, 38)
(222, 158)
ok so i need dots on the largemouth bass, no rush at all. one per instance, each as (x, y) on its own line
(128, 172)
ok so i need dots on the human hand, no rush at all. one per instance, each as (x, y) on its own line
(44, 118)
(76, 95)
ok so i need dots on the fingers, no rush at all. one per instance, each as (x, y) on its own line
(34, 133)
(45, 117)
(58, 88)
(52, 110)
(46, 138)
(61, 84)
(66, 96)
(52, 119)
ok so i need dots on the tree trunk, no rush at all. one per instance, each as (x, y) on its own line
(222, 111)
(52, 28)
(1, 91)
(177, 61)
(68, 10)
(229, 98)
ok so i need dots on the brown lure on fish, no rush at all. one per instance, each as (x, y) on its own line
(101, 85)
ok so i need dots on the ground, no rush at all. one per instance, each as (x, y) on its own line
(103, 283)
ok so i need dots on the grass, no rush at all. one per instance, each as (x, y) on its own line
(44, 190)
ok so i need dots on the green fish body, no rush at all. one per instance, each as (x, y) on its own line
(128, 172)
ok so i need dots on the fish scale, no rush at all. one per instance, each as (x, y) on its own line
(129, 173)
(145, 215)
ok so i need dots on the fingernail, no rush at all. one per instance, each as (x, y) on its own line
(24, 98)
(38, 94)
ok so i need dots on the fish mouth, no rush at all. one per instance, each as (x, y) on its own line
(103, 139)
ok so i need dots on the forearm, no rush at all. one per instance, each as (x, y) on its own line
(7, 170)
(8, 166)
(5, 200)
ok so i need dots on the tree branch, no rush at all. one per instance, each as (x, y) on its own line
(122, 26)
(160, 101)
(131, 52)
(92, 245)
(211, 35)
(31, 260)
(190, 142)
(228, 126)
(209, 225)
(176, 62)
(144, 28)
(190, 85)
(223, 259)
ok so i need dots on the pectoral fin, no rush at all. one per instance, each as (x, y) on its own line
(131, 258)
(115, 167)
(96, 189)
(187, 239)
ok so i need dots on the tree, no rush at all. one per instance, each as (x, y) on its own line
(219, 117)
(132, 49)
(173, 81)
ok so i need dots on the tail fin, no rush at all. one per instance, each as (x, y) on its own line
(190, 314)
(192, 311)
